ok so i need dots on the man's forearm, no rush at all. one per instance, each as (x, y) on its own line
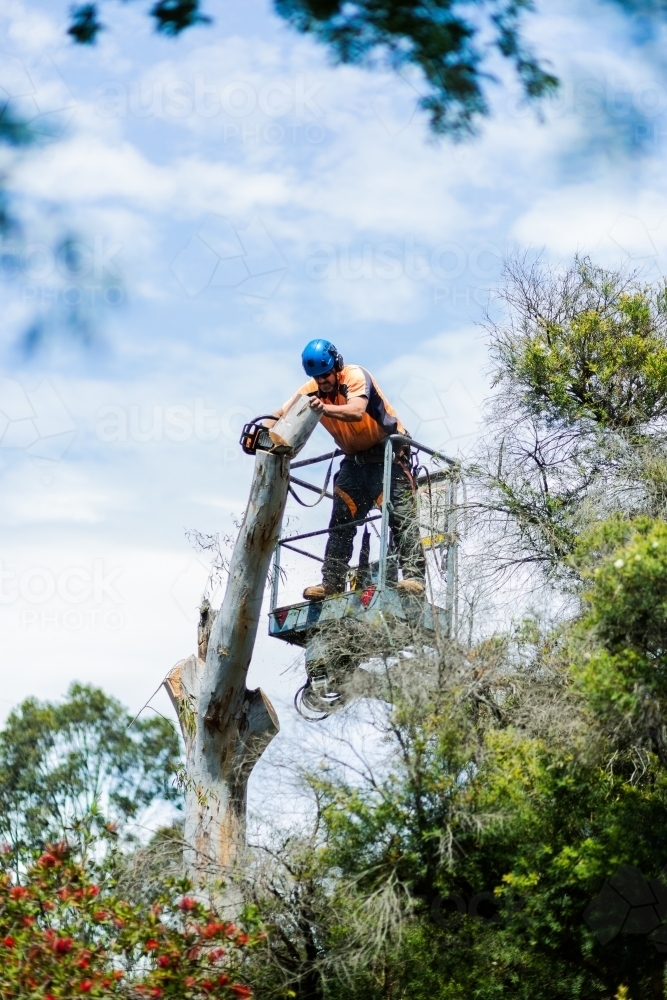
(346, 413)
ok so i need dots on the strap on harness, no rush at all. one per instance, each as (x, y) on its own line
(322, 494)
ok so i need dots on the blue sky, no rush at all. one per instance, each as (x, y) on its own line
(230, 195)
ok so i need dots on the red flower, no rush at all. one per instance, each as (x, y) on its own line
(83, 963)
(93, 890)
(231, 930)
(100, 915)
(212, 929)
(187, 903)
(63, 946)
(241, 939)
(241, 991)
(222, 980)
(207, 984)
(156, 992)
(48, 860)
(9, 942)
(86, 985)
(18, 892)
(151, 945)
(27, 921)
(189, 981)
(163, 961)
(216, 954)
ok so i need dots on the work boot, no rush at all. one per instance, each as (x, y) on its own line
(318, 592)
(413, 587)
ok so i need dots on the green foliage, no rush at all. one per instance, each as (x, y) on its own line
(74, 766)
(471, 812)
(449, 42)
(620, 649)
(442, 39)
(171, 18)
(625, 565)
(576, 429)
(85, 25)
(174, 16)
(64, 933)
(15, 133)
(13, 130)
(599, 355)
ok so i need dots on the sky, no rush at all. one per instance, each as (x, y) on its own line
(201, 207)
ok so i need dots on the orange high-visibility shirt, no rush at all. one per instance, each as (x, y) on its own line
(378, 421)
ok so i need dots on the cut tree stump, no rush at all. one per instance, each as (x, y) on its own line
(226, 727)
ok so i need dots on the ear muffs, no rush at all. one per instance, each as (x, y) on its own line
(338, 361)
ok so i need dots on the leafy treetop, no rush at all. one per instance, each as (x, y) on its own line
(591, 346)
(75, 766)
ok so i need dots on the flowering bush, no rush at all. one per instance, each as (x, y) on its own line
(65, 935)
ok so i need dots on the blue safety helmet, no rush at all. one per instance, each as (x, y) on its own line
(319, 357)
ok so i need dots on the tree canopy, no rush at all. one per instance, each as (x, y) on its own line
(74, 769)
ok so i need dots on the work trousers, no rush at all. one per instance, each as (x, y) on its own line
(357, 489)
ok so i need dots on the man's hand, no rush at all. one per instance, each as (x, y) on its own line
(350, 413)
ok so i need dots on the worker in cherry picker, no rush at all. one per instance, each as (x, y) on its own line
(359, 418)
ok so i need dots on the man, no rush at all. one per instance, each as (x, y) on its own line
(359, 418)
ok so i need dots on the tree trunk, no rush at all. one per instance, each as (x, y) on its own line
(225, 726)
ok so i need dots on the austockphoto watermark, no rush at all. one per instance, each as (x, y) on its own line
(178, 422)
(628, 905)
(35, 421)
(608, 96)
(482, 905)
(69, 599)
(595, 97)
(390, 261)
(70, 274)
(455, 294)
(181, 98)
(273, 134)
(242, 260)
(39, 261)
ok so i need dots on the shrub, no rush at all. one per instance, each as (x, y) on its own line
(66, 934)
